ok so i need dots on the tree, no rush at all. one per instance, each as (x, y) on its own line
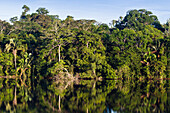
(26, 9)
(137, 19)
(42, 11)
(14, 19)
(5, 27)
(14, 46)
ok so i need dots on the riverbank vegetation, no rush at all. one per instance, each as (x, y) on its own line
(41, 45)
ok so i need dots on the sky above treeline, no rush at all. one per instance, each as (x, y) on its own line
(103, 11)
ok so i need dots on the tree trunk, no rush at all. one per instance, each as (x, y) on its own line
(59, 47)
(15, 96)
(87, 44)
(15, 59)
(15, 64)
(59, 107)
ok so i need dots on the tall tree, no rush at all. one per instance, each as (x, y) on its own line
(136, 19)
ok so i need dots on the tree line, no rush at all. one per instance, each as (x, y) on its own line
(43, 45)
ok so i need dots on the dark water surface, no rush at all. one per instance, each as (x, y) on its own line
(85, 96)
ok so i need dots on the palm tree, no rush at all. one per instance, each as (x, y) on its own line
(14, 46)
(8, 47)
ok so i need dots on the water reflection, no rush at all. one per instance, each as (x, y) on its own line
(85, 96)
(150, 96)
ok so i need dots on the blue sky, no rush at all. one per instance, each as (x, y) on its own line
(101, 10)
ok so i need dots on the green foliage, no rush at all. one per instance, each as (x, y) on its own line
(41, 51)
(135, 46)
(42, 11)
(137, 19)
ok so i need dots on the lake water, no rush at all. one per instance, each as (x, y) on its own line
(84, 96)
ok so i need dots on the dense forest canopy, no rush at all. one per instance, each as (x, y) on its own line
(43, 45)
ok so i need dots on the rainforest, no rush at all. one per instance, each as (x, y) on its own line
(54, 65)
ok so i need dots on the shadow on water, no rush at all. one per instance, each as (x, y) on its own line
(84, 96)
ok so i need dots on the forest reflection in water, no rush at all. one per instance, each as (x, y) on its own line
(84, 96)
